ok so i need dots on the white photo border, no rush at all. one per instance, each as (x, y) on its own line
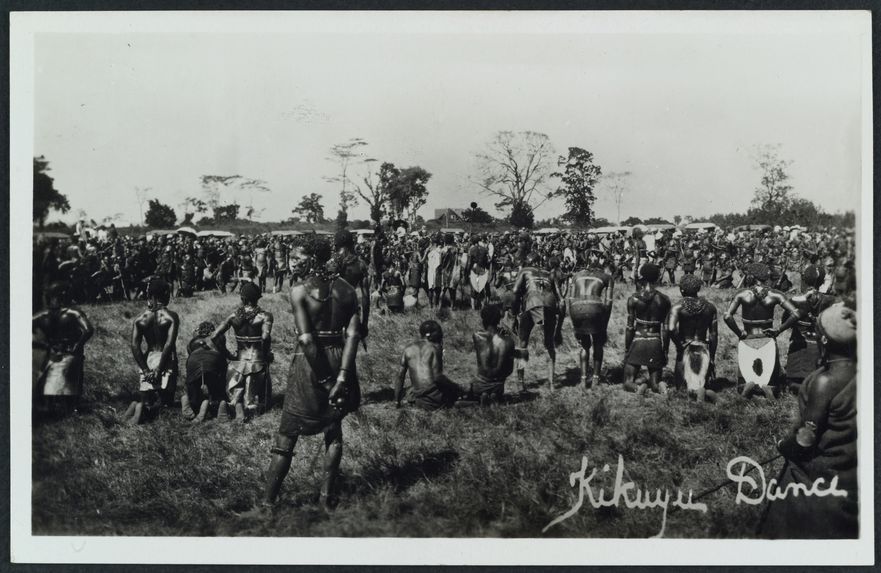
(26, 547)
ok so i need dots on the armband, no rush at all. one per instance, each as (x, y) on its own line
(281, 452)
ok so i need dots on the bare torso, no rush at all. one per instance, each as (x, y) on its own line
(424, 362)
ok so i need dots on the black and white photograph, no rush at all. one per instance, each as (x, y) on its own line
(442, 288)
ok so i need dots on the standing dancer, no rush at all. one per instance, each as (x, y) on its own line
(322, 381)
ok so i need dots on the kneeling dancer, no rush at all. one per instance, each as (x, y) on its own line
(757, 354)
(60, 334)
(157, 326)
(646, 339)
(206, 375)
(694, 330)
(248, 383)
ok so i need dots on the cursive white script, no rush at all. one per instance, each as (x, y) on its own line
(633, 497)
(771, 490)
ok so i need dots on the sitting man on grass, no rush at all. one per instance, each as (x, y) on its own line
(424, 361)
(495, 357)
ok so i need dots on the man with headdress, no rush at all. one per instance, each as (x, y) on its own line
(248, 382)
(322, 382)
(537, 295)
(671, 259)
(803, 353)
(261, 265)
(822, 447)
(646, 339)
(639, 251)
(59, 336)
(758, 336)
(423, 360)
(589, 307)
(477, 267)
(694, 330)
(157, 327)
(450, 270)
(205, 374)
(391, 287)
(352, 269)
(280, 264)
(708, 269)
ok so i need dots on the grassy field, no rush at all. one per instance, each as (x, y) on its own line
(471, 472)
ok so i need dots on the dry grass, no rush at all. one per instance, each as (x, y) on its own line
(501, 471)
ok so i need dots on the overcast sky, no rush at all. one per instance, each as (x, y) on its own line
(683, 113)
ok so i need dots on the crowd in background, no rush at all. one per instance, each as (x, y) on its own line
(112, 266)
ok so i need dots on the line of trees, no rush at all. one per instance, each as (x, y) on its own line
(520, 170)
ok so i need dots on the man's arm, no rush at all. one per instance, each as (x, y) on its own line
(673, 328)
(266, 334)
(365, 302)
(399, 383)
(800, 442)
(665, 334)
(347, 363)
(519, 283)
(713, 335)
(222, 328)
(314, 355)
(788, 307)
(170, 342)
(629, 331)
(137, 352)
(729, 317)
(86, 331)
(37, 328)
(609, 294)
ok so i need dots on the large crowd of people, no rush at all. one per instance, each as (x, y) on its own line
(518, 281)
(111, 266)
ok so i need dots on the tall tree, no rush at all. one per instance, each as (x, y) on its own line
(407, 192)
(215, 187)
(344, 155)
(578, 178)
(192, 206)
(514, 169)
(159, 215)
(46, 196)
(310, 208)
(226, 213)
(477, 215)
(615, 184)
(377, 187)
(522, 216)
(772, 195)
(142, 194)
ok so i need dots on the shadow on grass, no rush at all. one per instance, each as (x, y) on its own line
(399, 477)
(384, 394)
(720, 384)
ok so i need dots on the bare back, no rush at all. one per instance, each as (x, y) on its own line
(424, 363)
(155, 327)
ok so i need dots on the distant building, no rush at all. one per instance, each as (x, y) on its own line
(449, 215)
